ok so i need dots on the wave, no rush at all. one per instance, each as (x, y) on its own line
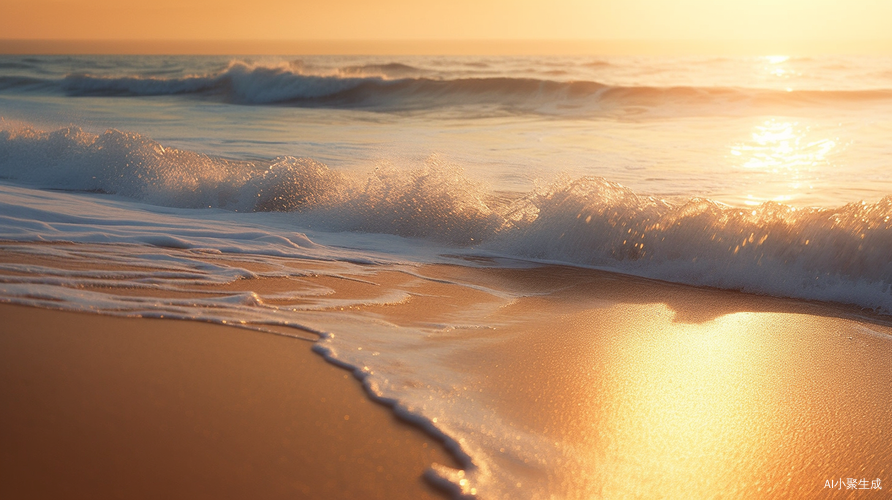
(388, 70)
(23, 64)
(25, 83)
(397, 86)
(832, 254)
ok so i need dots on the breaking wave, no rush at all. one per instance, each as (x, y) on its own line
(833, 254)
(397, 86)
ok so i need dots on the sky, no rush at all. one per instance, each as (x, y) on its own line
(825, 23)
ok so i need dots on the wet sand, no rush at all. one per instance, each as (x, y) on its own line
(614, 386)
(636, 388)
(654, 390)
(103, 407)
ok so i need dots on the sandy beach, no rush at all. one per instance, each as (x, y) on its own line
(104, 407)
(589, 384)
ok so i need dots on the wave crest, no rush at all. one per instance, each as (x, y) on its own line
(397, 86)
(837, 254)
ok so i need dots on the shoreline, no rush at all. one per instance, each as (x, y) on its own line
(549, 381)
(102, 406)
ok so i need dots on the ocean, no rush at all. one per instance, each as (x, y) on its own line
(764, 175)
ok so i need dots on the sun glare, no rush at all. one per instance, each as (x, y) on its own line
(690, 402)
(776, 67)
(785, 151)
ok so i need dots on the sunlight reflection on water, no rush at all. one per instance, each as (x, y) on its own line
(787, 159)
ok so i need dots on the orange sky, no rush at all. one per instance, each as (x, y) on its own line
(827, 23)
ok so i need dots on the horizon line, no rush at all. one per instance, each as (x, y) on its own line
(753, 47)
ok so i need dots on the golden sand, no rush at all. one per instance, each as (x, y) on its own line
(103, 407)
(645, 389)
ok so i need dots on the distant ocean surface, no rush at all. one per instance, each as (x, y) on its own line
(770, 175)
(767, 174)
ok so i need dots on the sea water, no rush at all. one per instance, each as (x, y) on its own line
(768, 175)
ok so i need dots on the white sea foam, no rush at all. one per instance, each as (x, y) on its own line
(834, 254)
